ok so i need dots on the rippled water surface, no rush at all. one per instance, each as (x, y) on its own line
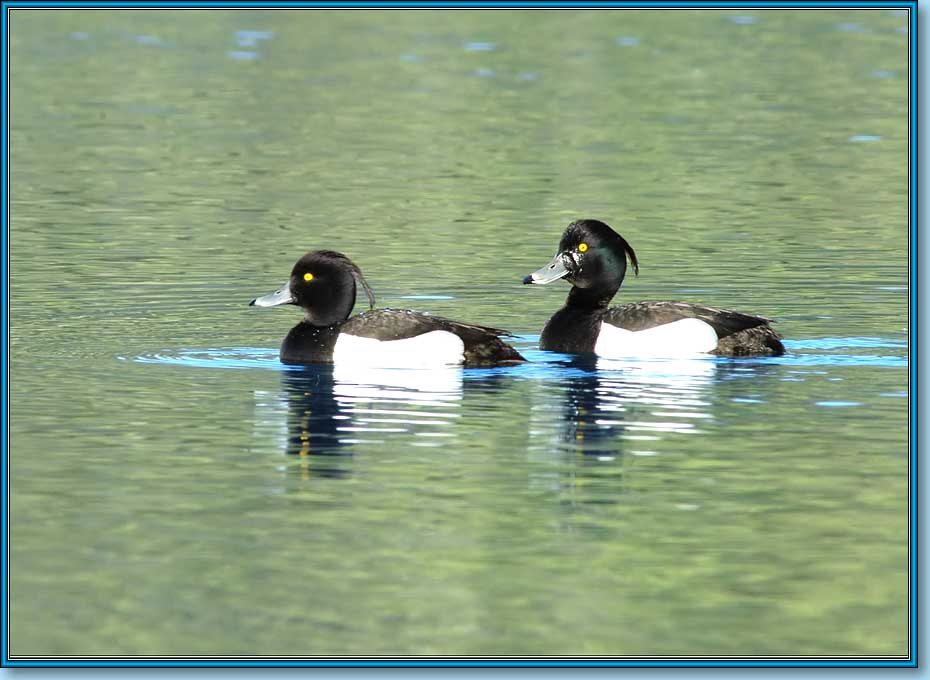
(176, 490)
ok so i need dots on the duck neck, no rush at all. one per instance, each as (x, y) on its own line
(574, 328)
(309, 343)
(593, 299)
(330, 316)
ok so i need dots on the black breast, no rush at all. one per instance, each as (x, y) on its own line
(309, 344)
(572, 330)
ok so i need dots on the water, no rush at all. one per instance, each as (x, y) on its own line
(175, 490)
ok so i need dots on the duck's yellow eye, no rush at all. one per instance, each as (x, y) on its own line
(308, 277)
(582, 247)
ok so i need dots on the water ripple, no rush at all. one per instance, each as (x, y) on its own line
(581, 405)
(542, 365)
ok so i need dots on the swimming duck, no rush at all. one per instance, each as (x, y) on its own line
(323, 283)
(593, 258)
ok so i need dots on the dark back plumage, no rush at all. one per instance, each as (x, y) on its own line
(637, 316)
(483, 346)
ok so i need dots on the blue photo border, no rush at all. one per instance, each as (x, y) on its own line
(476, 662)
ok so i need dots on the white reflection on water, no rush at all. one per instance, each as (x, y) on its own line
(418, 386)
(323, 410)
(421, 402)
(619, 400)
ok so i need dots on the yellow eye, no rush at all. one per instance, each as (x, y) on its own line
(308, 277)
(582, 247)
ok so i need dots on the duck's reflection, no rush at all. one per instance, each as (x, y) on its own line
(313, 420)
(329, 408)
(609, 414)
(582, 416)
(615, 414)
(601, 416)
(608, 402)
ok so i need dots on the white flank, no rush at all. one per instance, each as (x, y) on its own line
(436, 348)
(685, 337)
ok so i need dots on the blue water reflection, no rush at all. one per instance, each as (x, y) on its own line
(809, 352)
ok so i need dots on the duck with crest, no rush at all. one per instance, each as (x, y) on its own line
(323, 283)
(593, 258)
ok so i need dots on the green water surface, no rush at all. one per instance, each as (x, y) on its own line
(168, 166)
